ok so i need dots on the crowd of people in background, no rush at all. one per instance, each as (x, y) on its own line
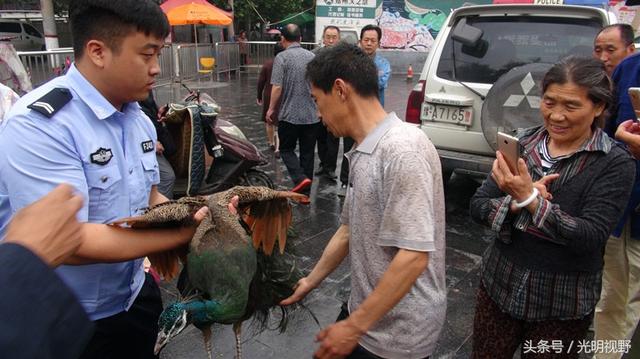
(327, 144)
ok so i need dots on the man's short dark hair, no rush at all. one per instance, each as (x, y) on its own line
(291, 33)
(330, 27)
(347, 62)
(369, 27)
(111, 20)
(626, 32)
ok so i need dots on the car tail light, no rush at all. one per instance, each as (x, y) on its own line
(414, 103)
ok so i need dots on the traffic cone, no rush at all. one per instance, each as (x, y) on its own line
(410, 73)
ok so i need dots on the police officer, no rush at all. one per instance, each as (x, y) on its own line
(86, 129)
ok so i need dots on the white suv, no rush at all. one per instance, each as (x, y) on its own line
(483, 72)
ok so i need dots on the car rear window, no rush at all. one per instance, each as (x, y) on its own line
(510, 41)
(31, 31)
(10, 27)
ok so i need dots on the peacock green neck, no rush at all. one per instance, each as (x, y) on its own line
(203, 311)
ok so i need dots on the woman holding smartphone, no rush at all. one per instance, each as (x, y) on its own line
(541, 277)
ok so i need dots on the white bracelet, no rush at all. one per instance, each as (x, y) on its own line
(527, 201)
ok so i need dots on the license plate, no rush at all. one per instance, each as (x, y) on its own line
(451, 114)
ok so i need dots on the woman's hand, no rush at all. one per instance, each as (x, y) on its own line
(518, 186)
(542, 184)
(629, 133)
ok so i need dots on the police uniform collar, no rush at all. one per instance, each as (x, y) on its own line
(90, 95)
(371, 141)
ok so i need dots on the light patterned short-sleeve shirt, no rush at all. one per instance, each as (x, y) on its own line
(395, 200)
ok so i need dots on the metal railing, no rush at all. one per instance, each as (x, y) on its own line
(165, 61)
(261, 51)
(188, 57)
(42, 66)
(178, 62)
(227, 57)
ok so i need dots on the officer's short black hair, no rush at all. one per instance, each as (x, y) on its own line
(370, 27)
(291, 33)
(112, 20)
(347, 62)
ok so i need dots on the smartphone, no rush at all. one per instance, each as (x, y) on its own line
(634, 95)
(510, 150)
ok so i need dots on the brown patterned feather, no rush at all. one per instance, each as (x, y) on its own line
(267, 212)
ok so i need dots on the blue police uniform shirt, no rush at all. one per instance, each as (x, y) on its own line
(107, 155)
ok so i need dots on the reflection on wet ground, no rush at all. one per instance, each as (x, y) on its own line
(315, 224)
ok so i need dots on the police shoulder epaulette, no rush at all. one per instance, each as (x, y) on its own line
(52, 102)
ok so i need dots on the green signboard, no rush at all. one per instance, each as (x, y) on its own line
(356, 12)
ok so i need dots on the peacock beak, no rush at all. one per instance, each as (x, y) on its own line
(160, 342)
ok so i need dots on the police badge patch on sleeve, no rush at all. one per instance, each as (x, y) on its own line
(102, 156)
(147, 146)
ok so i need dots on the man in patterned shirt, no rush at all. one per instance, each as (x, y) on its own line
(298, 117)
(398, 298)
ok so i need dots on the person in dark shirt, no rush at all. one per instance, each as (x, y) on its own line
(541, 276)
(264, 98)
(40, 316)
(165, 147)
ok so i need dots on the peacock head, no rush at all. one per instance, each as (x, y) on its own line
(172, 321)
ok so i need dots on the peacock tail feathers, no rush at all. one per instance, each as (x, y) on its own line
(276, 276)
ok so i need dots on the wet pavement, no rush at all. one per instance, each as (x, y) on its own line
(315, 224)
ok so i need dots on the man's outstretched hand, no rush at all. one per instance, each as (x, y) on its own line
(48, 227)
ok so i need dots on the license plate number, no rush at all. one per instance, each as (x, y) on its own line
(451, 114)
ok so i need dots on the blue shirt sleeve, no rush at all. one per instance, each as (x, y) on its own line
(625, 75)
(38, 156)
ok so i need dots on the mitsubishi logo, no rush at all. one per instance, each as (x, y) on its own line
(527, 85)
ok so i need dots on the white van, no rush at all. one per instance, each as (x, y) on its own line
(23, 36)
(483, 72)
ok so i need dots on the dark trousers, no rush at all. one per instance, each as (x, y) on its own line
(498, 335)
(359, 352)
(304, 136)
(347, 143)
(327, 149)
(130, 334)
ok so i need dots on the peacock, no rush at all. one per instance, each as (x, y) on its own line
(231, 272)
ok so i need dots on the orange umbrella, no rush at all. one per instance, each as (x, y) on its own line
(179, 12)
(197, 13)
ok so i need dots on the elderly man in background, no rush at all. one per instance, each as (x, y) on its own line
(612, 44)
(618, 310)
(327, 143)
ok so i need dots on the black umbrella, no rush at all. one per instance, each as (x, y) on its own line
(632, 2)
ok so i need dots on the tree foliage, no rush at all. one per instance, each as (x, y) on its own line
(269, 10)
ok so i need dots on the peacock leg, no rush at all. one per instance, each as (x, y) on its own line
(237, 327)
(206, 334)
